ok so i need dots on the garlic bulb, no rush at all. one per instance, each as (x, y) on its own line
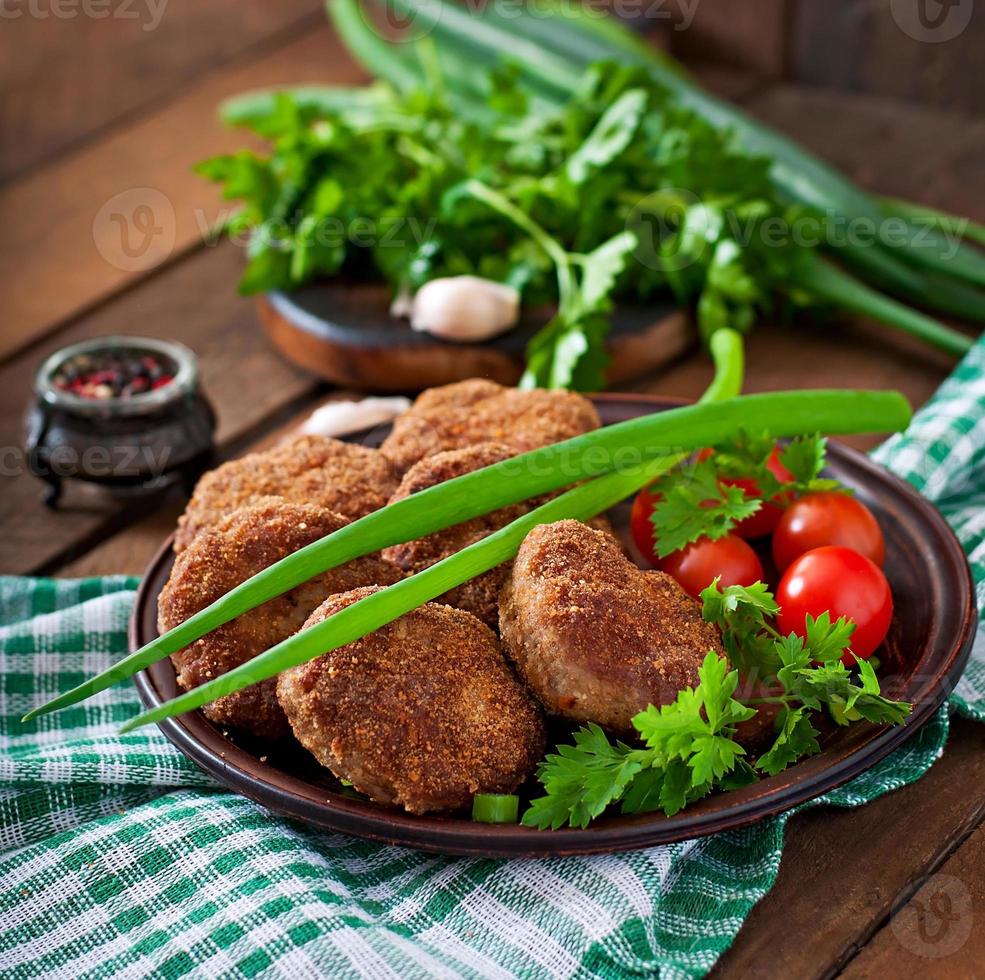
(465, 308)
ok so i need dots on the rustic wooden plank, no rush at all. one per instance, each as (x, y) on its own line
(62, 250)
(129, 552)
(843, 870)
(70, 70)
(938, 933)
(887, 145)
(750, 35)
(879, 47)
(251, 386)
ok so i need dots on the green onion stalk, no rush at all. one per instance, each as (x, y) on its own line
(552, 42)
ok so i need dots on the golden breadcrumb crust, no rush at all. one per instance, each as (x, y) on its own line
(222, 557)
(343, 477)
(594, 637)
(423, 713)
(479, 596)
(470, 412)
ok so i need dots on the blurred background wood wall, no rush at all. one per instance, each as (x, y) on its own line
(66, 79)
(850, 45)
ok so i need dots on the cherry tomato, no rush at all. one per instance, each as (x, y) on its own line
(768, 516)
(827, 518)
(843, 583)
(641, 526)
(700, 563)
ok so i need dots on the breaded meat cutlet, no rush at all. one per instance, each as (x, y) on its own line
(596, 638)
(222, 557)
(423, 713)
(475, 411)
(343, 477)
(479, 596)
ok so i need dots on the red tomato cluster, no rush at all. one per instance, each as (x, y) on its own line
(827, 546)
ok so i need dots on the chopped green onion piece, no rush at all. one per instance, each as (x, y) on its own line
(495, 807)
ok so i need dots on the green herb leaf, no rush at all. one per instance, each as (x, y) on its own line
(581, 780)
(694, 504)
(827, 641)
(689, 747)
(610, 136)
(796, 737)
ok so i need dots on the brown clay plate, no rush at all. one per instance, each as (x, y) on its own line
(922, 658)
(343, 331)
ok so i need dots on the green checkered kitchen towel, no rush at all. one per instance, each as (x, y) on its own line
(118, 857)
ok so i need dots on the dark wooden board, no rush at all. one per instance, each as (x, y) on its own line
(938, 931)
(57, 260)
(923, 655)
(66, 76)
(844, 871)
(343, 332)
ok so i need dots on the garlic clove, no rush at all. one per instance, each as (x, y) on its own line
(344, 417)
(465, 308)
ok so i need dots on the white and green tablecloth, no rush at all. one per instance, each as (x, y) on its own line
(118, 857)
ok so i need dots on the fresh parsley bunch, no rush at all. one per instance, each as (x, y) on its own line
(690, 747)
(617, 194)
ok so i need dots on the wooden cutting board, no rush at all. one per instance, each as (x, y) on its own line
(344, 333)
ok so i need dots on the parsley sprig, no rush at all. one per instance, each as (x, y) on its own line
(690, 747)
(693, 504)
(803, 674)
(697, 501)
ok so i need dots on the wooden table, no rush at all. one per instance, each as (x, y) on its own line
(117, 108)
